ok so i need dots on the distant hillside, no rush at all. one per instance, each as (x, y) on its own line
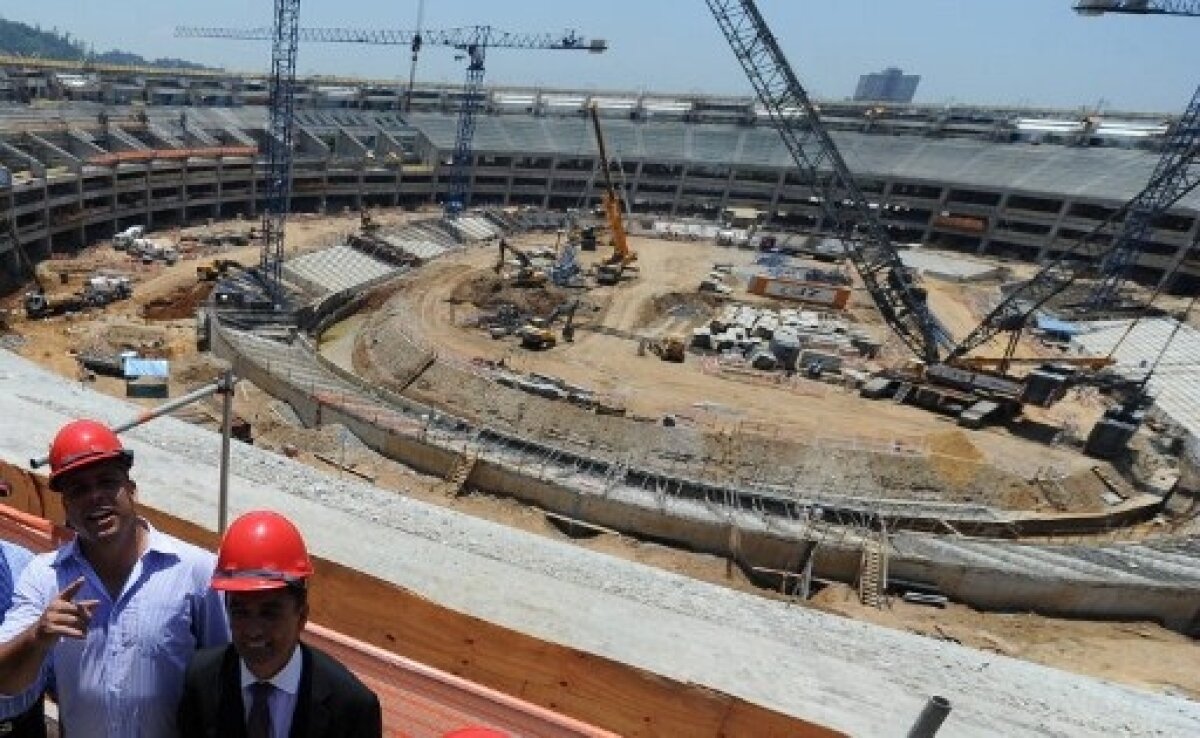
(24, 40)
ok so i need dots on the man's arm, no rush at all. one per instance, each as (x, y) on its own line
(22, 656)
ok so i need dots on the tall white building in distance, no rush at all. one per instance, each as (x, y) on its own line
(890, 85)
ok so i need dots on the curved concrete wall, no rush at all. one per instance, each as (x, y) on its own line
(755, 542)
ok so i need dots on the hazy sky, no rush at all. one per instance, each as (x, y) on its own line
(1016, 52)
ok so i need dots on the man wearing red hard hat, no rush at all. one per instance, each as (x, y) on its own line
(268, 684)
(112, 618)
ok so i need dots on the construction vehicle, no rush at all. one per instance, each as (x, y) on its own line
(669, 348)
(613, 268)
(98, 290)
(151, 251)
(101, 289)
(536, 335)
(122, 240)
(218, 268)
(527, 275)
(39, 303)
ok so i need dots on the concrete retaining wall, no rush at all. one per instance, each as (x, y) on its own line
(1177, 608)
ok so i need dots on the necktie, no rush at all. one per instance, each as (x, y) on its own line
(259, 723)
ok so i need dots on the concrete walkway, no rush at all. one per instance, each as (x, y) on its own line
(853, 676)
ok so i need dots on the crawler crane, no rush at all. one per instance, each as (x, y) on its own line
(613, 268)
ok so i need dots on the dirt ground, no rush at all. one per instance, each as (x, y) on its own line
(796, 420)
(1140, 654)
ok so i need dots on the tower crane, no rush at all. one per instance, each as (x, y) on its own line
(819, 162)
(1139, 7)
(472, 41)
(1179, 148)
(282, 35)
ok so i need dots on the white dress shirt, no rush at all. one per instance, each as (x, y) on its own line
(283, 699)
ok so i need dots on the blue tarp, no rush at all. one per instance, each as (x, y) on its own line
(136, 367)
(1061, 327)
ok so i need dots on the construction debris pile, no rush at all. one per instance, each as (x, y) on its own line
(555, 388)
(787, 339)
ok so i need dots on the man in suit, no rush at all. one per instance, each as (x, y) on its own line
(268, 684)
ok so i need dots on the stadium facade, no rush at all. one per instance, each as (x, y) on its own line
(86, 153)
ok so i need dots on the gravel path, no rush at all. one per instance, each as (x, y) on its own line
(851, 675)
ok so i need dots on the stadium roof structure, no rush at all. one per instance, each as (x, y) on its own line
(1081, 172)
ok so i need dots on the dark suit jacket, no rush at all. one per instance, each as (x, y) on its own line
(331, 702)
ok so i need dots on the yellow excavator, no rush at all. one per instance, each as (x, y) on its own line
(527, 275)
(613, 268)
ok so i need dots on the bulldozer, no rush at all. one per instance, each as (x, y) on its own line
(527, 275)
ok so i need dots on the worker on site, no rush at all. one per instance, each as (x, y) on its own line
(111, 619)
(22, 716)
(268, 684)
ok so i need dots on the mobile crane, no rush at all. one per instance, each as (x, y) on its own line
(613, 268)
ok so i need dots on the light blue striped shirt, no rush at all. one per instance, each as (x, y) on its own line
(13, 559)
(124, 680)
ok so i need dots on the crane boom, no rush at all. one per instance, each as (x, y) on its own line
(1178, 154)
(612, 201)
(1139, 7)
(474, 41)
(458, 38)
(820, 165)
(1015, 309)
(1180, 142)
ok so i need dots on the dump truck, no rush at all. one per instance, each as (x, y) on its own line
(40, 304)
(98, 290)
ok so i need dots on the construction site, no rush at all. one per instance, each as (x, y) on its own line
(615, 414)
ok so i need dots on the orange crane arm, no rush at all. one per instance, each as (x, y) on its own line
(612, 201)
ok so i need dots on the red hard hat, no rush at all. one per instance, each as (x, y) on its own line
(82, 443)
(476, 732)
(261, 550)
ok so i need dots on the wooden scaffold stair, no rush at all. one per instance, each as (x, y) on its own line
(872, 572)
(460, 473)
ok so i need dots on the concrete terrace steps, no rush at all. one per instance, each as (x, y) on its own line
(1107, 563)
(1139, 559)
(417, 246)
(473, 228)
(336, 268)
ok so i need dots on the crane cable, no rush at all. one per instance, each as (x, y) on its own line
(1146, 308)
(1174, 332)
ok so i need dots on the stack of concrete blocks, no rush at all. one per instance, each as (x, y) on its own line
(784, 339)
